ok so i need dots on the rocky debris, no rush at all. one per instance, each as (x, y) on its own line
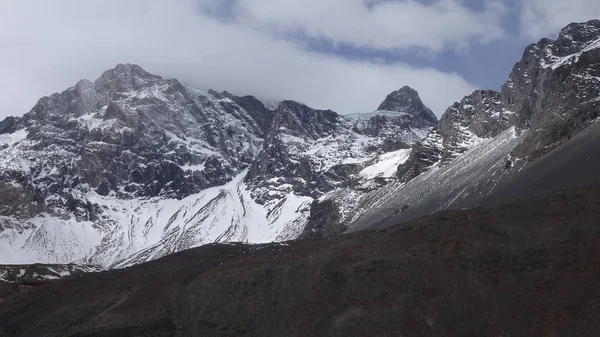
(39, 273)
(531, 265)
(324, 220)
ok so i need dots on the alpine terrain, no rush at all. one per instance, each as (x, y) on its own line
(132, 167)
(164, 210)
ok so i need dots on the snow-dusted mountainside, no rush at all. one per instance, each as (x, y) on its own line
(401, 110)
(133, 166)
(465, 124)
(487, 141)
(320, 155)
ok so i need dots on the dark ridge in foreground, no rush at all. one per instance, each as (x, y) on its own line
(529, 268)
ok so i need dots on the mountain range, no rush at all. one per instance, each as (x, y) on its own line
(133, 166)
(135, 205)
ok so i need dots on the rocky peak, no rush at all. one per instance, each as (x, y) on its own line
(9, 125)
(214, 93)
(294, 128)
(257, 110)
(304, 121)
(407, 100)
(477, 116)
(125, 78)
(399, 100)
(58, 107)
(554, 82)
(523, 90)
(575, 37)
(481, 113)
(402, 119)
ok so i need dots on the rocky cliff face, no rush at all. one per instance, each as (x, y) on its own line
(133, 166)
(554, 89)
(464, 125)
(131, 134)
(551, 94)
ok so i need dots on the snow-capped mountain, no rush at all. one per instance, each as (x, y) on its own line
(484, 146)
(133, 166)
(402, 111)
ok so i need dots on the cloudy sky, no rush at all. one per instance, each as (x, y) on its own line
(346, 55)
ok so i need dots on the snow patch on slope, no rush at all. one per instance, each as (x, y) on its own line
(12, 138)
(138, 230)
(386, 164)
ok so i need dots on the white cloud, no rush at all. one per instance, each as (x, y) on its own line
(50, 46)
(379, 24)
(544, 18)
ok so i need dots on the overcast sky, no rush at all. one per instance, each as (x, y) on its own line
(346, 55)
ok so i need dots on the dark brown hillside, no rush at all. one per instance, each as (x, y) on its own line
(530, 268)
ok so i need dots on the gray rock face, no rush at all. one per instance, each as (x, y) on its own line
(554, 88)
(424, 155)
(156, 129)
(402, 111)
(293, 126)
(9, 125)
(324, 220)
(302, 120)
(295, 149)
(479, 115)
(401, 120)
